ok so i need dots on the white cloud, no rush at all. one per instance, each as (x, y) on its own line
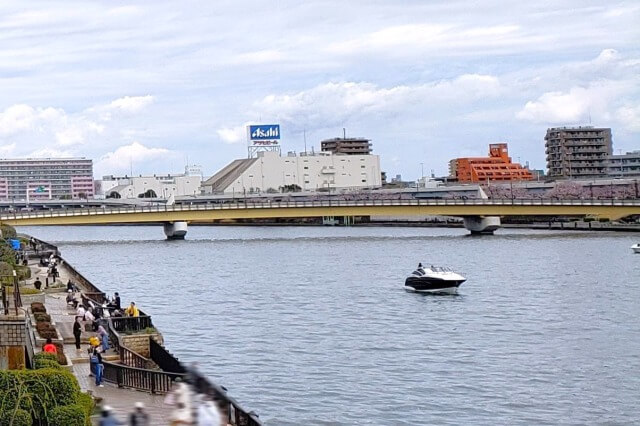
(122, 159)
(330, 104)
(232, 135)
(573, 106)
(131, 104)
(629, 116)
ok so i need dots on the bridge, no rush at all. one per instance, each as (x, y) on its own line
(477, 213)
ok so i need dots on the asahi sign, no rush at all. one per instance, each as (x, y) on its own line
(263, 134)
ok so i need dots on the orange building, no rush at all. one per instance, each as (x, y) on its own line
(496, 167)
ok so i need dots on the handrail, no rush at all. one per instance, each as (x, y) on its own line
(139, 378)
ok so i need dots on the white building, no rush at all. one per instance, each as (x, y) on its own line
(156, 186)
(270, 172)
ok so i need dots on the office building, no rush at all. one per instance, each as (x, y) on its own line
(496, 167)
(155, 186)
(578, 152)
(320, 171)
(624, 165)
(46, 178)
(346, 146)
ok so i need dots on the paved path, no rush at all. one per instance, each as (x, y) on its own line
(122, 400)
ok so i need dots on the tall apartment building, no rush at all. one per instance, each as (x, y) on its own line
(625, 165)
(346, 146)
(578, 152)
(56, 178)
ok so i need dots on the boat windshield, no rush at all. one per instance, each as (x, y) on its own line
(440, 269)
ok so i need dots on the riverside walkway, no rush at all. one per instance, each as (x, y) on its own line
(122, 400)
(137, 367)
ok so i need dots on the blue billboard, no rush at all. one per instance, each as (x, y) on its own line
(264, 132)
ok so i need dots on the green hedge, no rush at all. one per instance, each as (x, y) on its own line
(70, 415)
(15, 418)
(38, 391)
(44, 356)
(88, 405)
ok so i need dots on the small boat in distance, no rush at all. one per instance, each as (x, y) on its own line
(433, 279)
(636, 248)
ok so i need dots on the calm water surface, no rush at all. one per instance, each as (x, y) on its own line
(312, 325)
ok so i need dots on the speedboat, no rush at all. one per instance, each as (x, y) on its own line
(434, 279)
(636, 248)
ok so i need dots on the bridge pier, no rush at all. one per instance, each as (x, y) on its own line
(481, 224)
(175, 230)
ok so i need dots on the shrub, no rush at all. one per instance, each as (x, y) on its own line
(41, 317)
(38, 307)
(70, 415)
(17, 417)
(46, 363)
(8, 231)
(24, 272)
(46, 330)
(88, 405)
(44, 356)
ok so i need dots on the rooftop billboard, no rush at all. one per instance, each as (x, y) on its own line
(263, 134)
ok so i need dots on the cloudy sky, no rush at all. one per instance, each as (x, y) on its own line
(148, 85)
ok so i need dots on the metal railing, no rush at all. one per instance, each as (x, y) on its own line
(139, 378)
(93, 211)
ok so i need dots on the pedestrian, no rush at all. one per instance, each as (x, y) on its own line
(97, 366)
(180, 397)
(132, 310)
(104, 338)
(107, 418)
(139, 417)
(37, 283)
(80, 312)
(77, 331)
(208, 413)
(50, 347)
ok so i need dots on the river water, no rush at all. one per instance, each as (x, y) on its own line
(311, 325)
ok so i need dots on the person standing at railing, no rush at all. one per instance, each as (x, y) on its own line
(104, 338)
(132, 310)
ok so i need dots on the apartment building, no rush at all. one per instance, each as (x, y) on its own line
(578, 152)
(52, 178)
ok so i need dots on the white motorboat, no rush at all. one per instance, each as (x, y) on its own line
(636, 248)
(434, 279)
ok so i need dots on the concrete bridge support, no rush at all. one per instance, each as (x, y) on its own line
(481, 224)
(175, 230)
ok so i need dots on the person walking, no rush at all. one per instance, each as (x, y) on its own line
(180, 398)
(77, 331)
(107, 418)
(139, 417)
(37, 283)
(97, 366)
(49, 347)
(104, 338)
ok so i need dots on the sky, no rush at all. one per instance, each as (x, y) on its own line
(149, 86)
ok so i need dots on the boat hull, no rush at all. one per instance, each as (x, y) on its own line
(635, 249)
(432, 285)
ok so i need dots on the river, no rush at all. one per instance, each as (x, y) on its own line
(311, 325)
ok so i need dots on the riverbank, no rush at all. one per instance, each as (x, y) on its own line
(136, 361)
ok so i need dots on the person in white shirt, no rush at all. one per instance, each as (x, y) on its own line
(208, 413)
(80, 312)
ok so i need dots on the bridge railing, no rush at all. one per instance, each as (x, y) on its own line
(318, 204)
